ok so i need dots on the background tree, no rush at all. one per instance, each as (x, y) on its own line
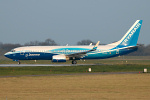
(47, 42)
(32, 43)
(85, 42)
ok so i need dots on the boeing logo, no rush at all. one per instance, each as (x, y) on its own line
(32, 55)
(130, 34)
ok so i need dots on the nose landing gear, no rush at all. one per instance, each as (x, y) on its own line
(74, 62)
(19, 63)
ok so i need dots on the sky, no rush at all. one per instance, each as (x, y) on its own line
(70, 21)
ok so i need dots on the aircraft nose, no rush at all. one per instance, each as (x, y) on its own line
(6, 54)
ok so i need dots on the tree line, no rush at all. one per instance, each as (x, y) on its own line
(5, 47)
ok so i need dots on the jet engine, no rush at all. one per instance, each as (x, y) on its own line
(59, 58)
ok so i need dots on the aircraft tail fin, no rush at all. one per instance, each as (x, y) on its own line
(131, 37)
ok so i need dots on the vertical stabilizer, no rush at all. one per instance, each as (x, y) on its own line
(131, 37)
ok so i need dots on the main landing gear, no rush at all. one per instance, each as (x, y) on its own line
(19, 63)
(74, 62)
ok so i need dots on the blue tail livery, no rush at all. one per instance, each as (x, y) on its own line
(127, 44)
(131, 37)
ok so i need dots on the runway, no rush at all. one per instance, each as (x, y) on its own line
(32, 65)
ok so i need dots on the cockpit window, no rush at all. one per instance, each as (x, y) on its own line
(12, 50)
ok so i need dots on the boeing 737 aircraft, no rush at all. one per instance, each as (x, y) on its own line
(127, 44)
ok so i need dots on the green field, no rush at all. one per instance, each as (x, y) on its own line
(44, 70)
(117, 64)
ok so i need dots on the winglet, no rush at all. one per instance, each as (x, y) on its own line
(90, 44)
(95, 47)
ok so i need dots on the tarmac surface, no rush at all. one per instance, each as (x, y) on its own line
(28, 65)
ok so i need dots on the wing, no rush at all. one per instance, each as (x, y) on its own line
(82, 54)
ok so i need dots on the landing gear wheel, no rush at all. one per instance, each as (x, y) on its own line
(19, 63)
(74, 62)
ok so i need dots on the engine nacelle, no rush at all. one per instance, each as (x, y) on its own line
(59, 58)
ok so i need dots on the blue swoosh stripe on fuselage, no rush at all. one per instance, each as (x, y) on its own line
(102, 54)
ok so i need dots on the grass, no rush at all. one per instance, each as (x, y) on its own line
(117, 64)
(13, 71)
(77, 87)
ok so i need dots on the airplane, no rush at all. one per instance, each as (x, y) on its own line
(127, 44)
